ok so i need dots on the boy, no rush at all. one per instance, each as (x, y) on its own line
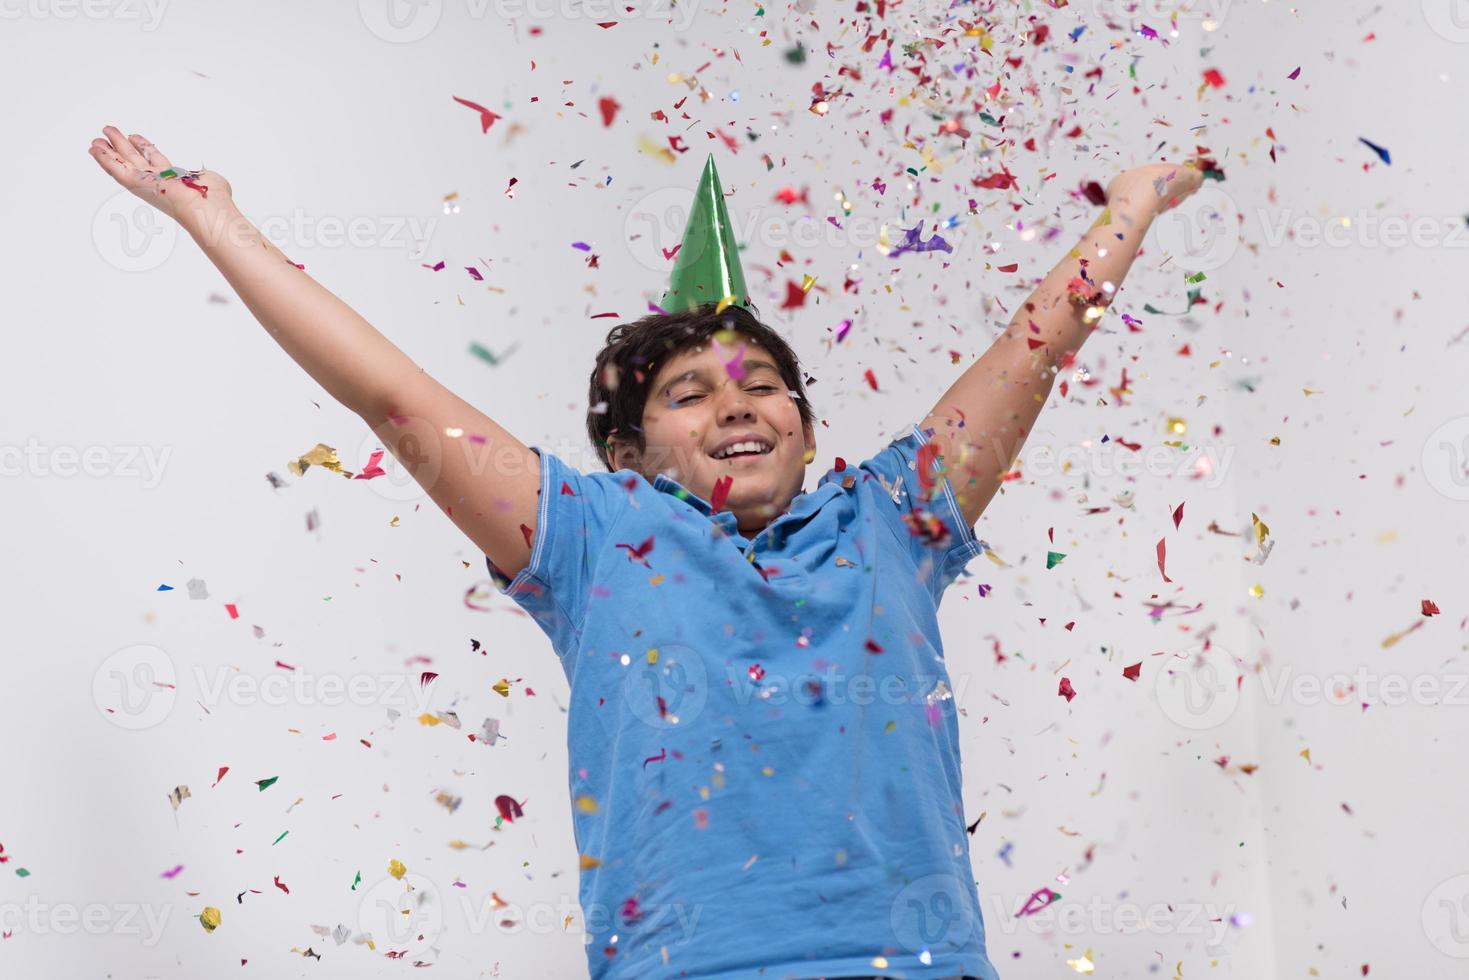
(763, 743)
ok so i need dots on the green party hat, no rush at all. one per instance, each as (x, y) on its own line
(707, 268)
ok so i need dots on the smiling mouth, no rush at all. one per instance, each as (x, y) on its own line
(743, 450)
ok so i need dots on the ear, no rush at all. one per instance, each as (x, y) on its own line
(808, 433)
(625, 454)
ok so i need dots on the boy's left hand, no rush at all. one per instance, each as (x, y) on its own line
(1154, 188)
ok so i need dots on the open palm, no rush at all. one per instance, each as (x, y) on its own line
(135, 163)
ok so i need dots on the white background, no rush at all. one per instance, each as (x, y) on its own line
(1184, 791)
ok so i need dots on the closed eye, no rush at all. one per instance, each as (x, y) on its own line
(678, 400)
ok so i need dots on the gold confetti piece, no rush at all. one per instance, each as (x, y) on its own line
(1257, 590)
(209, 918)
(429, 720)
(501, 687)
(394, 521)
(1275, 440)
(396, 869)
(1261, 530)
(1083, 964)
(178, 795)
(891, 726)
(656, 580)
(1177, 426)
(320, 455)
(652, 655)
(1305, 754)
(586, 804)
(879, 962)
(807, 281)
(587, 861)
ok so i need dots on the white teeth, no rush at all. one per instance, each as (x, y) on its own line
(743, 447)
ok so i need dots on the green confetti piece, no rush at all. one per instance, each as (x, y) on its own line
(170, 172)
(1196, 277)
(265, 784)
(357, 881)
(22, 873)
(986, 117)
(280, 838)
(1053, 558)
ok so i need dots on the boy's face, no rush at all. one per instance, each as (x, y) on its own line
(726, 392)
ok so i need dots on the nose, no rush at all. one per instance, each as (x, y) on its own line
(735, 404)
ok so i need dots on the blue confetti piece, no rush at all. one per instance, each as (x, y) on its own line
(1381, 151)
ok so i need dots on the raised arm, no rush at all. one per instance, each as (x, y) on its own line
(489, 489)
(982, 421)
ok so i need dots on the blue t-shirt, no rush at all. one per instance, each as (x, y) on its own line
(763, 742)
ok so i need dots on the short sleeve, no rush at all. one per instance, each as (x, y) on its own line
(927, 519)
(574, 518)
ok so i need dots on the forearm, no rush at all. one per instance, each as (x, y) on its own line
(1053, 322)
(345, 354)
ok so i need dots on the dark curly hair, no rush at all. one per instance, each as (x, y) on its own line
(635, 351)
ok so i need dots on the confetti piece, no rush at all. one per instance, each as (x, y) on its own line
(177, 796)
(1066, 690)
(608, 106)
(509, 809)
(281, 885)
(397, 869)
(1162, 559)
(265, 784)
(1054, 558)
(486, 117)
(1132, 673)
(172, 872)
(209, 918)
(1381, 151)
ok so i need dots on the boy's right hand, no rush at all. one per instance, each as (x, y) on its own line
(135, 163)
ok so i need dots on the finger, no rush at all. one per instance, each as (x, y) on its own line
(153, 157)
(124, 149)
(112, 162)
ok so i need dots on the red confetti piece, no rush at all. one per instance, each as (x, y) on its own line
(527, 533)
(1162, 558)
(1430, 608)
(1132, 673)
(872, 647)
(486, 117)
(1177, 516)
(222, 771)
(281, 885)
(721, 493)
(230, 608)
(508, 808)
(662, 755)
(1213, 78)
(608, 106)
(1066, 690)
(1012, 267)
(426, 678)
(871, 379)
